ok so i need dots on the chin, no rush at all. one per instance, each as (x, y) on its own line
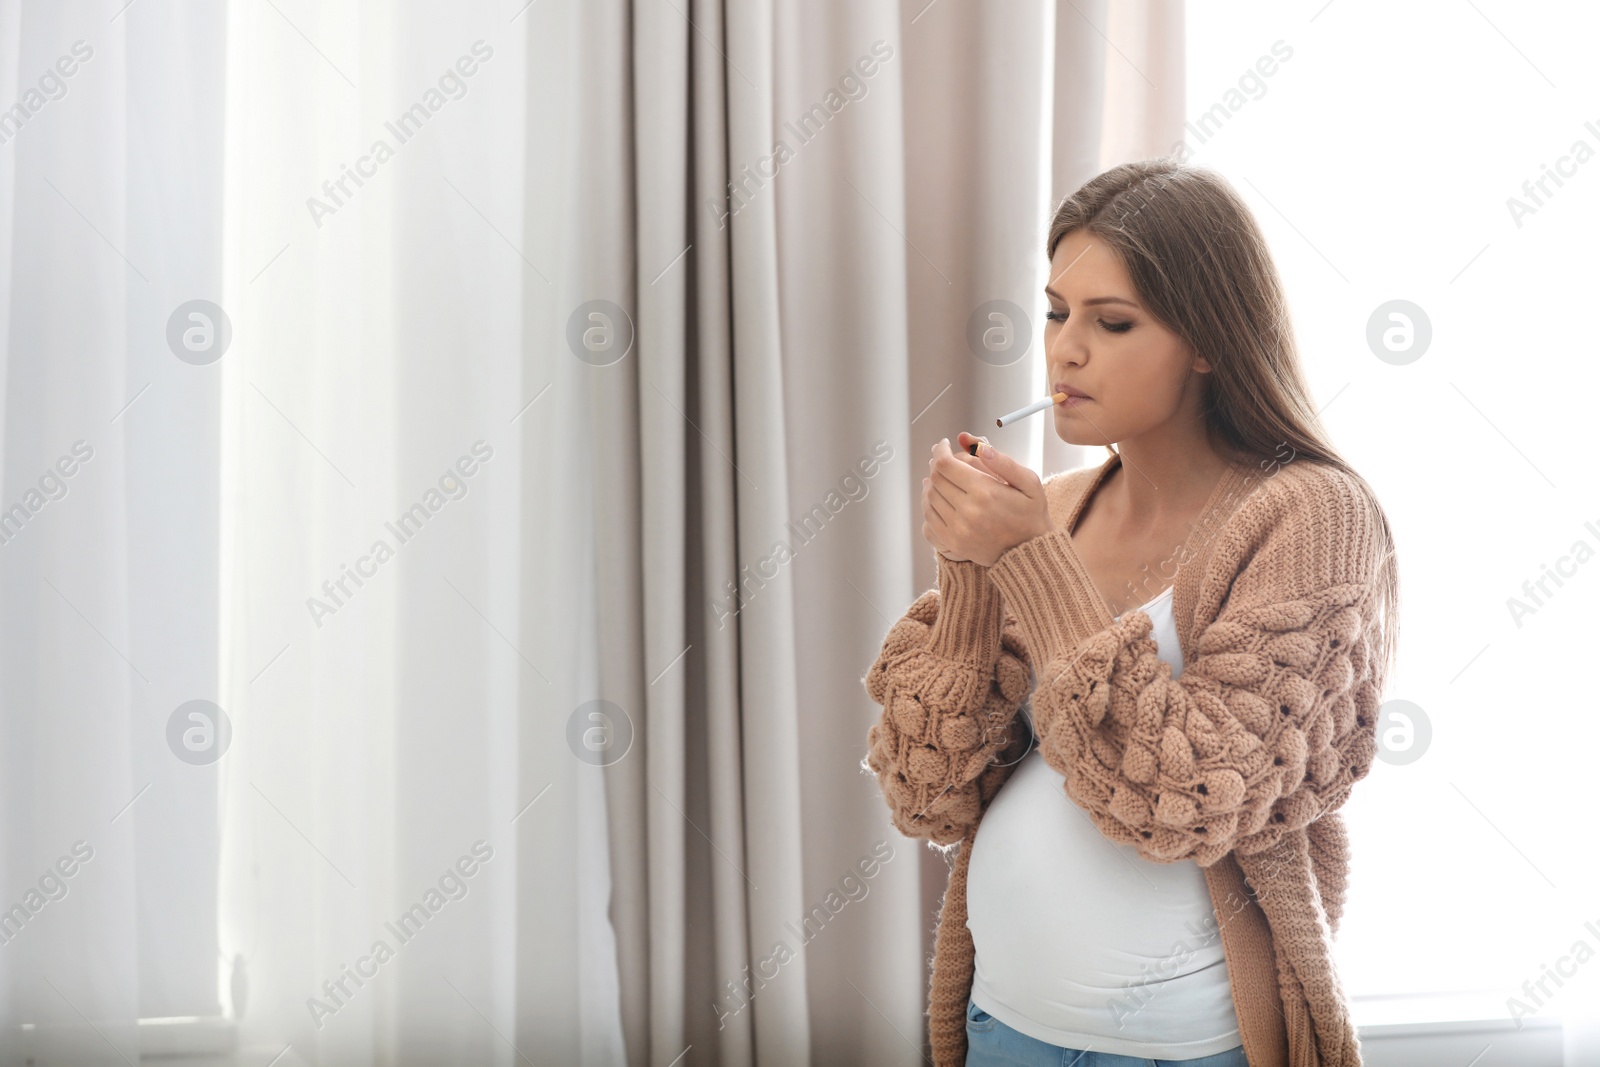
(1083, 440)
(1078, 432)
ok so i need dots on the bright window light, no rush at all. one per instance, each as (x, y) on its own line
(1448, 155)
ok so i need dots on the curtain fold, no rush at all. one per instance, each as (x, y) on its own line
(536, 523)
(867, 184)
(71, 757)
(107, 531)
(380, 879)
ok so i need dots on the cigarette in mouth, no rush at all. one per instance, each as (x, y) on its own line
(1037, 405)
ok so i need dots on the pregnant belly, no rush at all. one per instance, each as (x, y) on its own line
(1080, 933)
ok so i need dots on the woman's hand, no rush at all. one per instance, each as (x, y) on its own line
(927, 494)
(979, 507)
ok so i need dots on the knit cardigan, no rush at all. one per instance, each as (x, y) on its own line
(1237, 765)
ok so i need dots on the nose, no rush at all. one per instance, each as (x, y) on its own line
(1065, 350)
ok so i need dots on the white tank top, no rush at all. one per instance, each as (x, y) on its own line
(1083, 943)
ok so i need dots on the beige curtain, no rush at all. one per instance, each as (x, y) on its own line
(893, 170)
(644, 330)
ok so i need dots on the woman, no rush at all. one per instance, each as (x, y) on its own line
(1204, 622)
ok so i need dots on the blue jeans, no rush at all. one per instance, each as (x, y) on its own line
(991, 1043)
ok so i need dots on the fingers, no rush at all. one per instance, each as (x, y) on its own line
(931, 535)
(952, 477)
(943, 493)
(978, 463)
(936, 516)
(936, 504)
(954, 472)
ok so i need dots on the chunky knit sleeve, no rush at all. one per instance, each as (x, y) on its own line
(1271, 721)
(950, 677)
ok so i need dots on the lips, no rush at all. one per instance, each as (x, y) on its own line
(1063, 387)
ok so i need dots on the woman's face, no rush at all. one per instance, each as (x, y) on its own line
(1099, 339)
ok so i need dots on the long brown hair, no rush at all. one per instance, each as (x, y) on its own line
(1200, 264)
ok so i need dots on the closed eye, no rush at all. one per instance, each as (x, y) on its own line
(1109, 327)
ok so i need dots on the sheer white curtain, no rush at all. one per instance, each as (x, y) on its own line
(385, 747)
(407, 598)
(507, 406)
(107, 526)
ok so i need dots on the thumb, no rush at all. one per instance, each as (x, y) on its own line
(1003, 466)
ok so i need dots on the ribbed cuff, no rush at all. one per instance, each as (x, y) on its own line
(971, 612)
(1049, 590)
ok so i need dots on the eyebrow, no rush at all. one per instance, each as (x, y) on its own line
(1093, 300)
